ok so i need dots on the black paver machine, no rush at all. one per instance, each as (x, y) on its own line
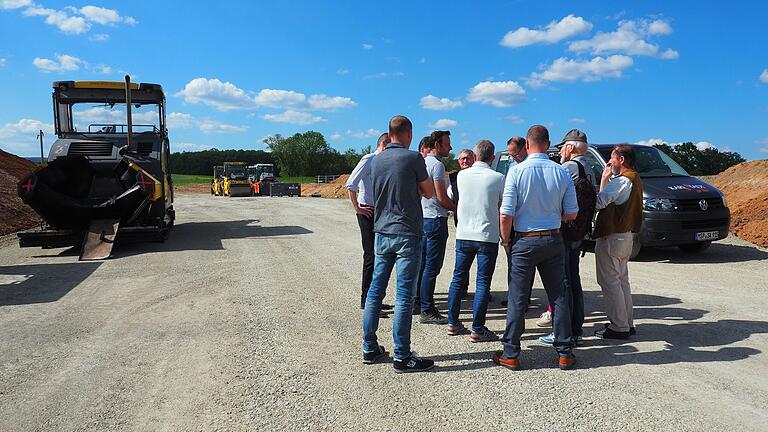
(108, 178)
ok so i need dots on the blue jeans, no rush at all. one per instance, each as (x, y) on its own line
(391, 250)
(573, 284)
(486, 263)
(544, 253)
(433, 251)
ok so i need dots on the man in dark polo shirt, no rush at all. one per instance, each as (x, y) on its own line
(399, 181)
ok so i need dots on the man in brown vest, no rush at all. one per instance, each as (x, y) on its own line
(620, 206)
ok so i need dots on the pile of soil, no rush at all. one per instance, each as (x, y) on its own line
(14, 214)
(335, 189)
(746, 190)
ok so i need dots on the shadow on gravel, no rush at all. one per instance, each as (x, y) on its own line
(480, 360)
(208, 236)
(41, 283)
(718, 253)
(659, 319)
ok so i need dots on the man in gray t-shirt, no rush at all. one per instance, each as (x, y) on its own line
(435, 228)
(399, 180)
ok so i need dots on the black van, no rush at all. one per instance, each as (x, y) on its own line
(678, 210)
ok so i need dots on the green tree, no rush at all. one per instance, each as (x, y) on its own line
(305, 154)
(697, 162)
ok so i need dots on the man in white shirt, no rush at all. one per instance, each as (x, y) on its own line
(361, 194)
(477, 234)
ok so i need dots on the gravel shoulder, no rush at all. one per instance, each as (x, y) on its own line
(247, 319)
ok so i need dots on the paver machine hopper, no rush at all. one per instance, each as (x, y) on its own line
(108, 179)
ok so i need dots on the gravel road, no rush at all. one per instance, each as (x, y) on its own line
(248, 319)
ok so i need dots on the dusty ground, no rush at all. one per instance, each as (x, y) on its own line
(746, 188)
(14, 214)
(247, 319)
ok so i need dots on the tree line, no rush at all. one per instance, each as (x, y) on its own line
(309, 154)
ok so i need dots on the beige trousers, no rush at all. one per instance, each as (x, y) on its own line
(611, 256)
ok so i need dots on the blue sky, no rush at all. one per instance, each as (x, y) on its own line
(235, 72)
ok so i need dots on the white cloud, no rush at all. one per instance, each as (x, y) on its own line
(225, 96)
(370, 133)
(701, 145)
(384, 75)
(500, 94)
(104, 16)
(101, 37)
(515, 119)
(293, 117)
(439, 104)
(20, 137)
(2, 62)
(286, 99)
(71, 20)
(63, 21)
(764, 143)
(444, 124)
(335, 136)
(189, 147)
(567, 70)
(764, 76)
(329, 103)
(554, 32)
(628, 39)
(14, 4)
(103, 69)
(209, 126)
(177, 120)
(367, 46)
(63, 63)
(342, 72)
(577, 120)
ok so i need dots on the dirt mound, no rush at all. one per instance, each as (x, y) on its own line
(335, 189)
(746, 189)
(14, 214)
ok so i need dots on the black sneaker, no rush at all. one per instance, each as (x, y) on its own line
(608, 333)
(432, 316)
(413, 363)
(374, 356)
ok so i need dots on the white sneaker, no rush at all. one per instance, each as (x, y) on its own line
(545, 320)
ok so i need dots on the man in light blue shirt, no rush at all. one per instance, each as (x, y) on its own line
(477, 234)
(360, 188)
(538, 195)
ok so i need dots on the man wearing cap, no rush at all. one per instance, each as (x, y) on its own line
(620, 205)
(573, 147)
(361, 194)
(538, 195)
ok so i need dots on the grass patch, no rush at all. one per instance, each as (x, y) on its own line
(184, 179)
(296, 179)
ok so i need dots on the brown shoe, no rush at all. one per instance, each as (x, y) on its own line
(567, 363)
(509, 363)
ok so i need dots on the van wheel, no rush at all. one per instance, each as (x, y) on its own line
(636, 246)
(695, 247)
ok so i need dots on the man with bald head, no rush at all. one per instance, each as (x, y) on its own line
(400, 180)
(538, 195)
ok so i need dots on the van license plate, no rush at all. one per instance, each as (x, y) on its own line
(709, 235)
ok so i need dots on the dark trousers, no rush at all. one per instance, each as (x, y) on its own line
(573, 284)
(367, 236)
(433, 253)
(544, 253)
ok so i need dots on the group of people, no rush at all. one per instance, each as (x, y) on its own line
(540, 212)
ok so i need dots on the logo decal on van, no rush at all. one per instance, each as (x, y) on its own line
(689, 187)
